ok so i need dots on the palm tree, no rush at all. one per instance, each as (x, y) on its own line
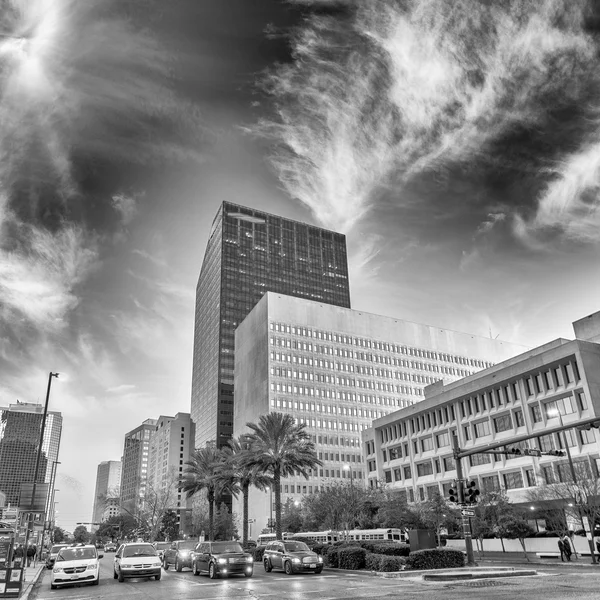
(244, 475)
(204, 472)
(281, 448)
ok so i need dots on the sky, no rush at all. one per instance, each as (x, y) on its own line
(457, 145)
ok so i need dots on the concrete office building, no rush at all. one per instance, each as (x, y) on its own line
(337, 370)
(108, 491)
(20, 428)
(250, 252)
(411, 449)
(171, 446)
(134, 466)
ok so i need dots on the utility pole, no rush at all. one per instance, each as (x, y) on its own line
(466, 522)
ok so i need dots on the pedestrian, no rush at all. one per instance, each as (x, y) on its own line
(567, 545)
(30, 554)
(18, 555)
(561, 547)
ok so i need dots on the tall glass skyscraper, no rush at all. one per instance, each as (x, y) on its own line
(248, 254)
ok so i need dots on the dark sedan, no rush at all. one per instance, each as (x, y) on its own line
(221, 558)
(291, 557)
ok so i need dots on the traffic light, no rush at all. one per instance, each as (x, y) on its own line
(532, 452)
(453, 494)
(456, 493)
(516, 451)
(471, 492)
(588, 426)
(554, 453)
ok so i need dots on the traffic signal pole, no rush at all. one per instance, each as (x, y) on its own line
(466, 522)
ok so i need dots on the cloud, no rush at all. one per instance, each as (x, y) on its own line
(390, 93)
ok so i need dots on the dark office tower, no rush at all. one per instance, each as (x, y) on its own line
(248, 254)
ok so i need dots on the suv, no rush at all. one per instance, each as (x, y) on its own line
(292, 557)
(75, 564)
(161, 547)
(54, 550)
(136, 560)
(221, 558)
(179, 554)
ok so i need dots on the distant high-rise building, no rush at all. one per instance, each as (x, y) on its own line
(248, 254)
(20, 427)
(108, 489)
(171, 445)
(134, 466)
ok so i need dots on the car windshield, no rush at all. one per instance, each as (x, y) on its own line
(162, 545)
(187, 545)
(296, 547)
(139, 550)
(76, 554)
(223, 547)
(55, 549)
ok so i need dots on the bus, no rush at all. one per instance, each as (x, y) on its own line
(320, 537)
(264, 538)
(390, 534)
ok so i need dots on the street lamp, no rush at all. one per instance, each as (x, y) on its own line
(348, 468)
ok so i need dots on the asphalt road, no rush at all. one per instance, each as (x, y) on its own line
(552, 582)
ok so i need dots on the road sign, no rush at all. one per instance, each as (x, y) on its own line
(465, 512)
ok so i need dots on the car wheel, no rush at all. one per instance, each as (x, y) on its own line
(178, 566)
(115, 576)
(212, 571)
(157, 577)
(96, 581)
(121, 578)
(165, 565)
(288, 568)
(318, 570)
(267, 565)
(195, 570)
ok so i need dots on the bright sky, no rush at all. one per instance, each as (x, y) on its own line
(462, 161)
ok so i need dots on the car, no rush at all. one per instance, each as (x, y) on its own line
(110, 547)
(179, 554)
(221, 558)
(291, 557)
(161, 547)
(134, 560)
(75, 564)
(54, 550)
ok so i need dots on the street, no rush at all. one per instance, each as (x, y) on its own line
(559, 582)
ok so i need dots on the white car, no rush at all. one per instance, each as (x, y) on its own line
(137, 560)
(75, 564)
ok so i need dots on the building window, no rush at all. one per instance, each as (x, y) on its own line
(519, 419)
(582, 401)
(443, 440)
(467, 432)
(548, 474)
(397, 474)
(449, 464)
(407, 473)
(586, 436)
(427, 444)
(482, 429)
(546, 443)
(424, 469)
(529, 385)
(564, 473)
(530, 476)
(479, 459)
(513, 481)
(388, 476)
(502, 423)
(411, 495)
(536, 413)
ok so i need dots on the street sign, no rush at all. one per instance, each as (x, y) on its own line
(465, 512)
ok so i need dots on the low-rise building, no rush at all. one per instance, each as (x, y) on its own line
(410, 450)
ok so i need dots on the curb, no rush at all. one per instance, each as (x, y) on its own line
(482, 575)
(30, 584)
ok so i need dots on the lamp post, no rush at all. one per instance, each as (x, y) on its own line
(37, 461)
(578, 500)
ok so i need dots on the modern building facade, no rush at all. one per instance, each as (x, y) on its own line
(525, 396)
(108, 491)
(171, 446)
(20, 428)
(337, 370)
(134, 466)
(250, 252)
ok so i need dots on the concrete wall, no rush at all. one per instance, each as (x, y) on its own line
(588, 328)
(534, 545)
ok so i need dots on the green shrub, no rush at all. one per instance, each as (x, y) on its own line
(320, 548)
(435, 558)
(332, 557)
(391, 549)
(384, 563)
(351, 557)
(257, 553)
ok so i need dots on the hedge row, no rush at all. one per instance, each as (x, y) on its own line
(384, 562)
(257, 553)
(435, 558)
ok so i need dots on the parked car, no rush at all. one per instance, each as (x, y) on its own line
(136, 560)
(75, 564)
(179, 554)
(110, 547)
(291, 557)
(161, 547)
(221, 558)
(54, 550)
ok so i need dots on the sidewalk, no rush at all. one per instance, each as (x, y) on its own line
(30, 577)
(514, 558)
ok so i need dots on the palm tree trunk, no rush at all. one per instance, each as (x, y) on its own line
(211, 514)
(246, 493)
(277, 486)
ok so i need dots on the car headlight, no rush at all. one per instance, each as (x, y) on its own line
(92, 567)
(249, 559)
(320, 559)
(185, 553)
(156, 564)
(296, 560)
(57, 570)
(222, 561)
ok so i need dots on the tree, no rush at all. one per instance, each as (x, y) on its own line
(291, 517)
(281, 448)
(169, 526)
(159, 498)
(118, 527)
(243, 475)
(515, 527)
(225, 526)
(435, 513)
(205, 473)
(58, 535)
(491, 509)
(81, 535)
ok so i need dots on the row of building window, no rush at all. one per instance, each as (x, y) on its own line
(333, 409)
(333, 394)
